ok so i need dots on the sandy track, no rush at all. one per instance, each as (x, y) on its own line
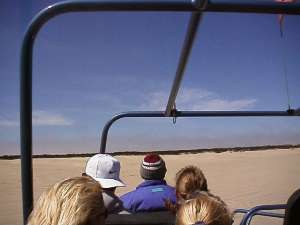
(242, 179)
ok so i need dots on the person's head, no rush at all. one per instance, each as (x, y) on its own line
(153, 167)
(188, 180)
(106, 170)
(74, 201)
(204, 209)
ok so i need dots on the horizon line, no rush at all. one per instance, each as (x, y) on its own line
(161, 152)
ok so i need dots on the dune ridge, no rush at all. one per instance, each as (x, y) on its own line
(162, 152)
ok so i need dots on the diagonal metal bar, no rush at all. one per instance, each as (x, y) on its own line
(218, 7)
(184, 56)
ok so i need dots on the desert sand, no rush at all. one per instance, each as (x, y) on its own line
(242, 179)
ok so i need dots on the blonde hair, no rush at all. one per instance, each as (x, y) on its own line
(74, 201)
(204, 208)
(188, 180)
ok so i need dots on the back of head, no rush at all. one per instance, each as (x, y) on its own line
(153, 167)
(105, 169)
(206, 209)
(188, 180)
(74, 201)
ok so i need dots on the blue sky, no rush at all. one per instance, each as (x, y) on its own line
(90, 66)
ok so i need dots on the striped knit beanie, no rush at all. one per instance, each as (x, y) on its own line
(153, 167)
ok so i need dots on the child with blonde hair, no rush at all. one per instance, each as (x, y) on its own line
(188, 180)
(74, 201)
(204, 209)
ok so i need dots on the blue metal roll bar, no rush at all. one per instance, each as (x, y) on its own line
(176, 113)
(194, 6)
(257, 210)
(260, 213)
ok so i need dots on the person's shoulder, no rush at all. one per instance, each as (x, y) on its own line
(112, 202)
(128, 195)
(171, 190)
(132, 200)
(169, 186)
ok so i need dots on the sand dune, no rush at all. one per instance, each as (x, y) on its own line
(242, 179)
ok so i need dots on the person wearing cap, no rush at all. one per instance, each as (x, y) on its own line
(152, 194)
(106, 170)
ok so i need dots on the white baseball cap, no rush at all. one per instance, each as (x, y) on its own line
(105, 169)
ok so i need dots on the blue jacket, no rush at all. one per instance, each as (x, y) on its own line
(149, 196)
